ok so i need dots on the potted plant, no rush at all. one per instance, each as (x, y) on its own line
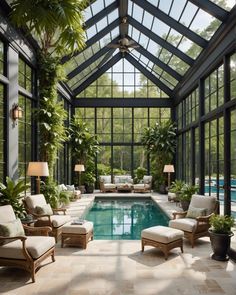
(89, 181)
(176, 188)
(220, 235)
(11, 194)
(186, 194)
(160, 143)
(140, 172)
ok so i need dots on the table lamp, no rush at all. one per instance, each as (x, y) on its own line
(38, 169)
(169, 169)
(79, 168)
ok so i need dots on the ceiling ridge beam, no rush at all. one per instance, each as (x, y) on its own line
(100, 15)
(211, 8)
(98, 73)
(149, 75)
(123, 12)
(161, 41)
(159, 63)
(172, 22)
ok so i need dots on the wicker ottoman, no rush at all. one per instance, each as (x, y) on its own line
(162, 237)
(77, 235)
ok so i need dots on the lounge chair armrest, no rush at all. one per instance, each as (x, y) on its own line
(179, 214)
(59, 210)
(203, 218)
(22, 238)
(37, 231)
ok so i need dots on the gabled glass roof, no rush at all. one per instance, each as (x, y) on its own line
(168, 36)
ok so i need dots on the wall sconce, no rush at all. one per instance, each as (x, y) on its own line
(17, 112)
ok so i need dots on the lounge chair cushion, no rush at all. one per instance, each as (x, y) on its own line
(162, 234)
(207, 202)
(105, 179)
(7, 213)
(77, 228)
(59, 220)
(35, 245)
(109, 185)
(185, 224)
(35, 200)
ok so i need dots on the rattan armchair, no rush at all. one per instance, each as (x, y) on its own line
(195, 228)
(55, 220)
(23, 251)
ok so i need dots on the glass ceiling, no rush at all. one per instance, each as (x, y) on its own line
(169, 36)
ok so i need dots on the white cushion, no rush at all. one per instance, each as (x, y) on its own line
(36, 245)
(6, 213)
(59, 220)
(139, 186)
(186, 224)
(124, 185)
(78, 229)
(35, 200)
(109, 185)
(162, 234)
(70, 188)
(105, 178)
(147, 179)
(12, 228)
(207, 202)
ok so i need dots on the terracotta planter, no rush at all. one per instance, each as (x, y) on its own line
(220, 244)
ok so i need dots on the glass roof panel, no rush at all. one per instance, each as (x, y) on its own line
(165, 5)
(97, 6)
(227, 4)
(160, 28)
(137, 13)
(202, 21)
(148, 20)
(177, 9)
(188, 14)
(113, 15)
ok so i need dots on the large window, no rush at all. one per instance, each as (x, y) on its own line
(233, 162)
(122, 80)
(2, 130)
(25, 76)
(214, 158)
(25, 136)
(119, 132)
(214, 90)
(233, 76)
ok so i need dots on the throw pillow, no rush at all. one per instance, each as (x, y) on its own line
(44, 210)
(195, 212)
(12, 228)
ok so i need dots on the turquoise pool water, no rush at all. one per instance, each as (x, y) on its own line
(123, 219)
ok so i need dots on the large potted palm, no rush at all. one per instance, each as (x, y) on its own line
(58, 28)
(84, 147)
(160, 142)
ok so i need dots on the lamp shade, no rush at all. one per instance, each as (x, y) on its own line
(38, 169)
(79, 168)
(169, 169)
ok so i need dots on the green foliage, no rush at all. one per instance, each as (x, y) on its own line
(57, 25)
(160, 142)
(177, 186)
(103, 169)
(187, 191)
(221, 224)
(89, 178)
(51, 193)
(11, 194)
(84, 145)
(119, 172)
